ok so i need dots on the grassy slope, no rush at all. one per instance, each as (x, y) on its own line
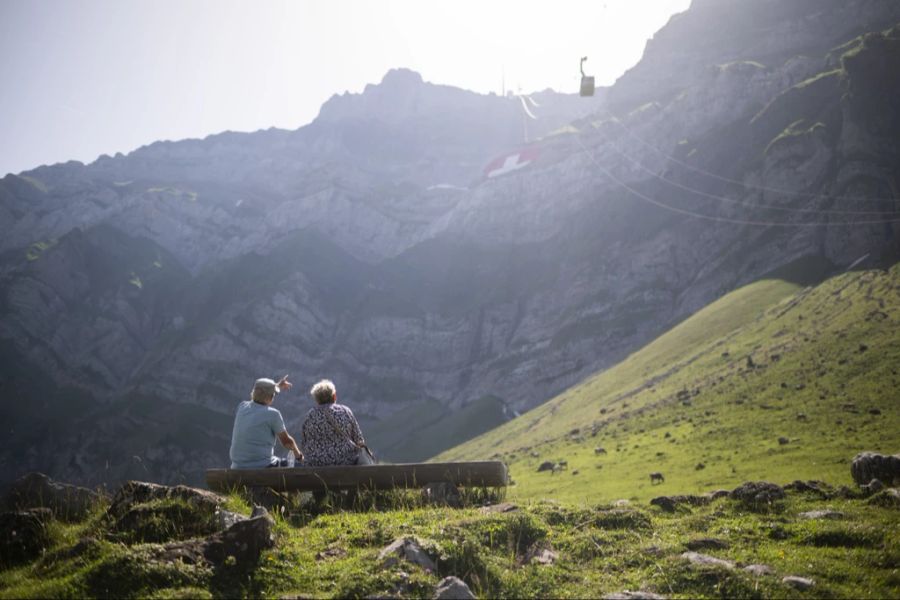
(807, 345)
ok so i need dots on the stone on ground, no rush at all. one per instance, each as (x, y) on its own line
(696, 558)
(889, 498)
(452, 588)
(760, 570)
(811, 486)
(798, 583)
(757, 493)
(707, 544)
(670, 503)
(541, 555)
(406, 548)
(503, 507)
(873, 487)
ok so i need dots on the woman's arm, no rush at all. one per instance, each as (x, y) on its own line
(355, 432)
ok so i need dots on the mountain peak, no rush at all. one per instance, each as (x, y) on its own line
(401, 77)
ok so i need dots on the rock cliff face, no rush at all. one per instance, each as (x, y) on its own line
(142, 294)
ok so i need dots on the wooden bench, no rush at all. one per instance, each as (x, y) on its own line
(408, 475)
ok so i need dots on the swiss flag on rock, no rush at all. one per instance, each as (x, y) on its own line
(511, 162)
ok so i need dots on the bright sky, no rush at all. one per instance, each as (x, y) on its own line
(90, 77)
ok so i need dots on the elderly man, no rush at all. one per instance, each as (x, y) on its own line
(257, 425)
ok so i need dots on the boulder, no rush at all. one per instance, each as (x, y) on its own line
(23, 534)
(36, 490)
(698, 559)
(442, 493)
(452, 588)
(867, 466)
(238, 547)
(140, 492)
(406, 548)
(798, 583)
(627, 595)
(760, 570)
(757, 493)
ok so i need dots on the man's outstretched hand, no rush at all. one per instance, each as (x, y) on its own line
(284, 385)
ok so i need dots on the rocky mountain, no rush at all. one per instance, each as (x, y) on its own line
(410, 245)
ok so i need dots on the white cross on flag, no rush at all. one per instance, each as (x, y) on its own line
(511, 162)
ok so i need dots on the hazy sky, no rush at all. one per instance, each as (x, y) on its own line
(82, 78)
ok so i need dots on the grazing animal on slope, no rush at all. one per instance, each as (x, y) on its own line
(656, 477)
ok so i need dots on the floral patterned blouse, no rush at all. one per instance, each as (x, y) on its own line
(322, 445)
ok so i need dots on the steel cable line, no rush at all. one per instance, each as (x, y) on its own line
(823, 211)
(690, 213)
(761, 188)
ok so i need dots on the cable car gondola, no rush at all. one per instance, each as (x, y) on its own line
(587, 83)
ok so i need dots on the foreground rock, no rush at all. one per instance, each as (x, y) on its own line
(627, 595)
(23, 534)
(36, 490)
(140, 492)
(406, 548)
(867, 466)
(452, 588)
(148, 512)
(239, 546)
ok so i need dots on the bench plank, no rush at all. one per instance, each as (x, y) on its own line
(407, 475)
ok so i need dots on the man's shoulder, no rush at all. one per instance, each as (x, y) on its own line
(344, 409)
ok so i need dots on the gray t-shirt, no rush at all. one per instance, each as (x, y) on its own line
(253, 437)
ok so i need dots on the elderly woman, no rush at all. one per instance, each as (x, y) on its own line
(330, 434)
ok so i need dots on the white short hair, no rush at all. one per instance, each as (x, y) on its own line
(323, 392)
